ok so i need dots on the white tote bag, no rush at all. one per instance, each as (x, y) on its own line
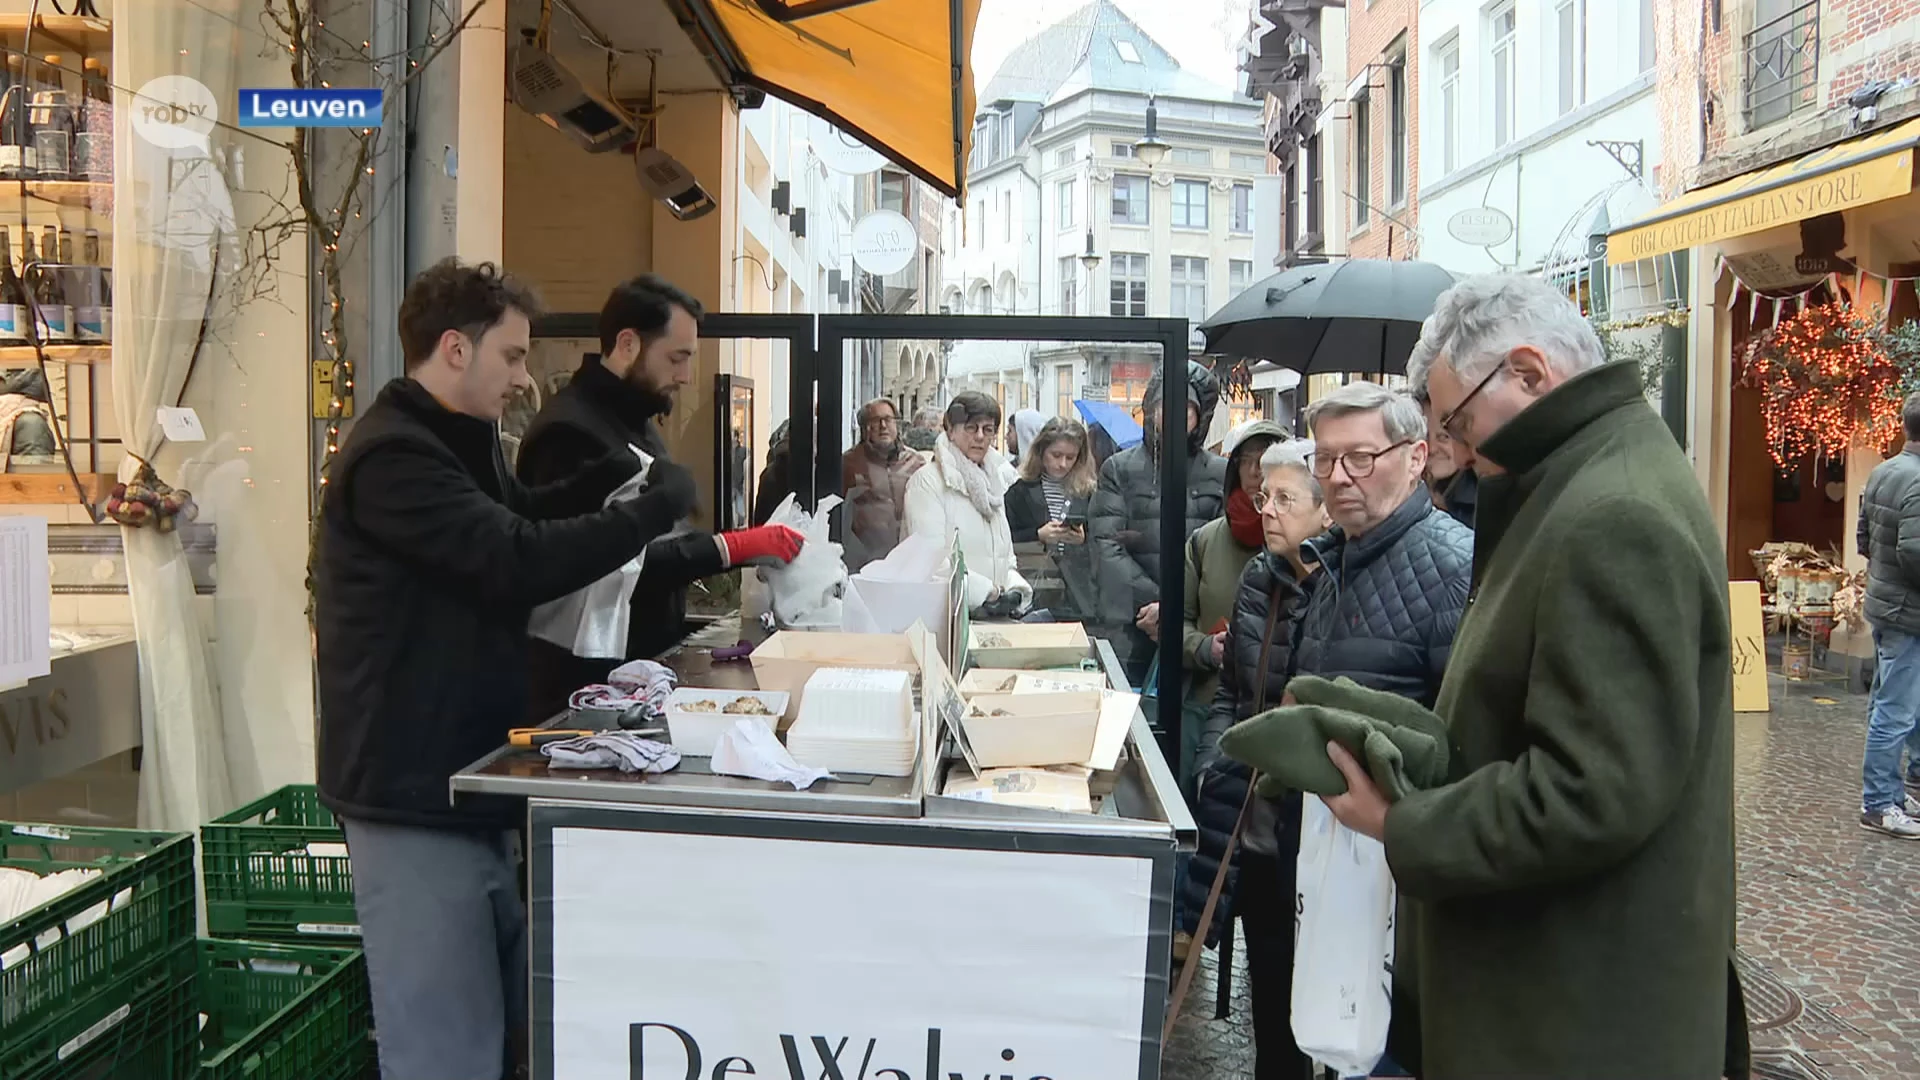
(1343, 948)
(592, 622)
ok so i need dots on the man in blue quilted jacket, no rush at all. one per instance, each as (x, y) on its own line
(1396, 571)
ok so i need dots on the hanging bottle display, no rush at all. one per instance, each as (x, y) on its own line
(16, 130)
(52, 120)
(53, 316)
(93, 301)
(93, 139)
(13, 310)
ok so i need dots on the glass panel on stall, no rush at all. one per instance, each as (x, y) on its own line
(928, 405)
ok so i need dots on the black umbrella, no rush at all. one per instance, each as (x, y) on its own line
(1360, 316)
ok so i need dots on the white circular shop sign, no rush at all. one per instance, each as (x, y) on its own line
(175, 111)
(1482, 226)
(884, 242)
(843, 153)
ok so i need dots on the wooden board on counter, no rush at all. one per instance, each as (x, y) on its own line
(51, 489)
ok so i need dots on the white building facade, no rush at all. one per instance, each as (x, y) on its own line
(793, 251)
(1063, 219)
(1538, 124)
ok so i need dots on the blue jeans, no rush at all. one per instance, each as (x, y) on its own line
(1893, 719)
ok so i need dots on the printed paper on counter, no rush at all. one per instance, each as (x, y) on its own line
(25, 600)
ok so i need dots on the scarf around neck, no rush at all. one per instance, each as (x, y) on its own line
(973, 479)
(1243, 520)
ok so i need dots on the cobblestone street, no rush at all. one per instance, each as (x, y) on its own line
(1829, 922)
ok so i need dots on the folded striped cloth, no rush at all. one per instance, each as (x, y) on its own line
(612, 750)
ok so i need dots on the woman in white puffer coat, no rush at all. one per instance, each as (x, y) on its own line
(961, 495)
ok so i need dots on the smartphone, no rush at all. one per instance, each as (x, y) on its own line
(1076, 521)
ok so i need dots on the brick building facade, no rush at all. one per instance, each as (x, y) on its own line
(1777, 74)
(1383, 113)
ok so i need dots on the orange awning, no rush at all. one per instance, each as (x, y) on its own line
(894, 72)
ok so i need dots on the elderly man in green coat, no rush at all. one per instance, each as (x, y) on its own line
(1571, 889)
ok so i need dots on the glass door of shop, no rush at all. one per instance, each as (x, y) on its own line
(729, 427)
(1092, 370)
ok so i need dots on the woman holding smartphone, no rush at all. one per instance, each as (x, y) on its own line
(1048, 505)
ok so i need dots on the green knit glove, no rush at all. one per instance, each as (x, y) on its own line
(1288, 746)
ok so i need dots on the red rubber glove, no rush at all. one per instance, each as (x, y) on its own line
(768, 545)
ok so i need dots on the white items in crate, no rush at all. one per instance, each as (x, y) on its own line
(857, 720)
(754, 751)
(21, 891)
(696, 718)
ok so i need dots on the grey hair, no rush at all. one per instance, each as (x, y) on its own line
(1402, 416)
(1910, 416)
(1478, 321)
(1293, 454)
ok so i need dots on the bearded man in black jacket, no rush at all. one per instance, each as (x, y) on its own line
(649, 335)
(430, 558)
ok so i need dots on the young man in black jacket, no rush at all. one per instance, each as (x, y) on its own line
(649, 335)
(430, 557)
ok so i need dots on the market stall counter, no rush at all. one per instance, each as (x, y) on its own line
(691, 925)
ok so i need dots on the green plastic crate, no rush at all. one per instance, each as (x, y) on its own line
(282, 1012)
(129, 1031)
(62, 968)
(261, 882)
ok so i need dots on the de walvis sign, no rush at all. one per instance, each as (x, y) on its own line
(285, 107)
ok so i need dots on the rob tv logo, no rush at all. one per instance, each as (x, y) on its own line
(286, 107)
(175, 112)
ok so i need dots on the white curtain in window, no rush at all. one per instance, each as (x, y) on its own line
(172, 215)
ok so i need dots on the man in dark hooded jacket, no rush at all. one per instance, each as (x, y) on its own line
(1124, 520)
(649, 333)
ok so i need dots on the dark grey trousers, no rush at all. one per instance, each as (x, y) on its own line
(446, 941)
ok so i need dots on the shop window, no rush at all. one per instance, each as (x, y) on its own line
(1128, 287)
(893, 192)
(1448, 57)
(1189, 204)
(1189, 296)
(1362, 181)
(1503, 79)
(1397, 145)
(1130, 199)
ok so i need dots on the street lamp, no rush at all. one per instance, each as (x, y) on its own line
(1151, 150)
(1090, 258)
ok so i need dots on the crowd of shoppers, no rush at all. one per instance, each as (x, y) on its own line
(1566, 894)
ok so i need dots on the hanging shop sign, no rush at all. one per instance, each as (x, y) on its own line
(1481, 226)
(843, 153)
(884, 242)
(887, 960)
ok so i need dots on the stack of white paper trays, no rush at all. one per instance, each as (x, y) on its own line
(856, 720)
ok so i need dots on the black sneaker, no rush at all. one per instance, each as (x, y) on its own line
(1892, 821)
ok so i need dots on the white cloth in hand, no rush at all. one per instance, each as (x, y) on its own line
(621, 750)
(750, 749)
